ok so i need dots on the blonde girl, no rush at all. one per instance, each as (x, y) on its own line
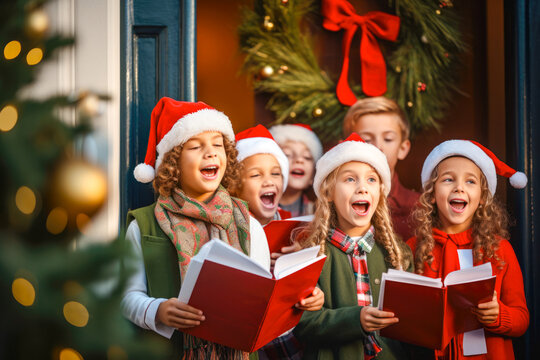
(352, 224)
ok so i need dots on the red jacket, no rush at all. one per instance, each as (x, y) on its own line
(513, 317)
(401, 202)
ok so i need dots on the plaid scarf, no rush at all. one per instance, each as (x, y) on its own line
(190, 224)
(357, 249)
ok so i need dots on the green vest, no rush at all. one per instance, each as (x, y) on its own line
(161, 268)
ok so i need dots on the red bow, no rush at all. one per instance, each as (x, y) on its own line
(340, 14)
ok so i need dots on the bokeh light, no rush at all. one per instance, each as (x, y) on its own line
(76, 314)
(8, 117)
(25, 200)
(57, 220)
(34, 56)
(12, 49)
(82, 221)
(70, 354)
(23, 291)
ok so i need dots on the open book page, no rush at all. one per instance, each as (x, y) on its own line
(405, 277)
(304, 218)
(292, 262)
(220, 252)
(479, 272)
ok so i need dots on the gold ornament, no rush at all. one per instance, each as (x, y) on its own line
(410, 104)
(267, 24)
(267, 71)
(317, 112)
(292, 115)
(89, 104)
(78, 187)
(398, 69)
(37, 23)
(438, 12)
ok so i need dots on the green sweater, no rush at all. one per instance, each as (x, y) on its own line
(335, 331)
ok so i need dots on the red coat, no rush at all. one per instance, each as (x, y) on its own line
(513, 317)
(401, 202)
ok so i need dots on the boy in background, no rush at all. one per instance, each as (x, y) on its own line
(381, 122)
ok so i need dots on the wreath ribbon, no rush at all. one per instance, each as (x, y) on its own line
(340, 14)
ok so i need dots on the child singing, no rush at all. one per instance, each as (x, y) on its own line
(460, 224)
(196, 162)
(303, 149)
(352, 224)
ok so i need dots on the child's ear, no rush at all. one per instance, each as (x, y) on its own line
(404, 148)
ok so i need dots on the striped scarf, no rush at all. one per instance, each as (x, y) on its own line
(357, 249)
(190, 224)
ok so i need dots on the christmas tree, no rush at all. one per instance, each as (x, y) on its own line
(57, 302)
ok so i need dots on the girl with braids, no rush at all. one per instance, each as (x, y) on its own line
(196, 163)
(460, 224)
(352, 224)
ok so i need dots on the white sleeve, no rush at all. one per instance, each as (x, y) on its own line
(259, 250)
(136, 305)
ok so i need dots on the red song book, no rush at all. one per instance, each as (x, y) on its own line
(431, 312)
(278, 232)
(245, 306)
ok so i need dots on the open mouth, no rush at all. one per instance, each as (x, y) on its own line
(210, 172)
(361, 207)
(268, 199)
(458, 205)
(298, 172)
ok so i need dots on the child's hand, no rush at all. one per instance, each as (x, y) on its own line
(488, 312)
(284, 250)
(313, 302)
(178, 315)
(373, 319)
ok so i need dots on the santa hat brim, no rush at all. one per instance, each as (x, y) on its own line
(284, 133)
(261, 145)
(465, 149)
(352, 151)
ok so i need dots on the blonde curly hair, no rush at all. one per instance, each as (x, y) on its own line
(168, 173)
(489, 224)
(325, 219)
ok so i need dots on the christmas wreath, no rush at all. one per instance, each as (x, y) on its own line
(421, 40)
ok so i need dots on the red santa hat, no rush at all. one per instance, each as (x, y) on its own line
(488, 163)
(352, 148)
(258, 140)
(173, 123)
(298, 132)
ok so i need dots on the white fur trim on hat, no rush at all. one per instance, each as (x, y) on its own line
(348, 151)
(193, 124)
(463, 148)
(262, 145)
(144, 173)
(284, 133)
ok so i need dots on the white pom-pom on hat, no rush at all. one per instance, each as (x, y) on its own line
(518, 180)
(144, 173)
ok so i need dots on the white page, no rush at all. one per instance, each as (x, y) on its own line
(411, 278)
(479, 272)
(465, 257)
(405, 277)
(294, 260)
(222, 253)
(294, 269)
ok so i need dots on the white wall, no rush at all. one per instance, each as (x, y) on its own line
(93, 64)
